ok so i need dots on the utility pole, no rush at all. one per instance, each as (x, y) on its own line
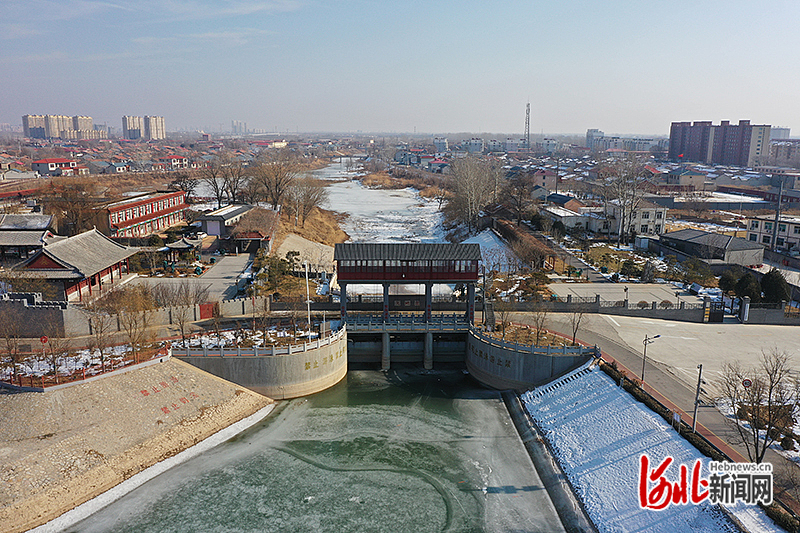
(777, 217)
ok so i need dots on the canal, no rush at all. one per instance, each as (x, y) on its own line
(402, 451)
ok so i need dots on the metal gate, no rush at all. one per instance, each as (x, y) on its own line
(207, 310)
(716, 311)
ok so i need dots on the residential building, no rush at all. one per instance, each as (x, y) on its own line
(154, 129)
(174, 162)
(779, 133)
(142, 215)
(761, 228)
(60, 127)
(55, 166)
(132, 127)
(685, 179)
(566, 202)
(474, 145)
(743, 145)
(441, 145)
(647, 219)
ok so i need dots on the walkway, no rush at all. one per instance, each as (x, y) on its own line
(220, 279)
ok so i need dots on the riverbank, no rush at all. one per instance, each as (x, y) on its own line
(61, 448)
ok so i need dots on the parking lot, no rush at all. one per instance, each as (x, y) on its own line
(636, 292)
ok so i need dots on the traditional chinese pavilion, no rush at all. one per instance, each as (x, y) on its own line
(388, 264)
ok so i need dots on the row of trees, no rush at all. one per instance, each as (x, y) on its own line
(123, 313)
(773, 287)
(276, 177)
(476, 183)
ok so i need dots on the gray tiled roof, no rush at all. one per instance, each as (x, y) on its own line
(406, 252)
(25, 222)
(85, 254)
(716, 240)
(22, 238)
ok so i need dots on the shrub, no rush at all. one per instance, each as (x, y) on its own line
(787, 443)
(665, 304)
(643, 304)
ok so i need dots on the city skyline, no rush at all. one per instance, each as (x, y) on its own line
(353, 66)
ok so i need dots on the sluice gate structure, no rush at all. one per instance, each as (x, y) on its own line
(389, 337)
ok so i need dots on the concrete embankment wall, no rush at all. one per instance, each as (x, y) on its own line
(298, 371)
(37, 318)
(502, 365)
(63, 447)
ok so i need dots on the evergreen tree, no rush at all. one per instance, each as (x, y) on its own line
(748, 286)
(775, 287)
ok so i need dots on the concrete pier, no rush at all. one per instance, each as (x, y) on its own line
(385, 352)
(427, 360)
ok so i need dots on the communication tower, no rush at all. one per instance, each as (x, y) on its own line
(528, 126)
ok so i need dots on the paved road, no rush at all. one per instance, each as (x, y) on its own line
(672, 359)
(220, 278)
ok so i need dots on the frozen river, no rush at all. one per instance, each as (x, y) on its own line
(396, 452)
(402, 451)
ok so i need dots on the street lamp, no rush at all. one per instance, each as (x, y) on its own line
(697, 396)
(647, 340)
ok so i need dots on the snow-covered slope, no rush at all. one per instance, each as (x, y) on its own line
(598, 433)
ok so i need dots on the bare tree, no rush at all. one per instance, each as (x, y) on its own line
(575, 319)
(518, 194)
(10, 331)
(503, 311)
(235, 175)
(184, 182)
(72, 200)
(539, 314)
(132, 305)
(472, 182)
(623, 189)
(102, 324)
(213, 175)
(276, 172)
(764, 400)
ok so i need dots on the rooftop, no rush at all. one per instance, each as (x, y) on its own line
(406, 252)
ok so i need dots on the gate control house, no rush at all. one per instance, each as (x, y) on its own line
(388, 264)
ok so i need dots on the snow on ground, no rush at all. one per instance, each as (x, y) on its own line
(490, 243)
(598, 433)
(381, 215)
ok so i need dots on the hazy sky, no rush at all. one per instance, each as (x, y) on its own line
(401, 66)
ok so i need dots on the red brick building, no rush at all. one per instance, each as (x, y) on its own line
(142, 215)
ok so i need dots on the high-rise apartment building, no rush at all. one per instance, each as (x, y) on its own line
(154, 128)
(33, 126)
(743, 144)
(60, 127)
(149, 128)
(132, 127)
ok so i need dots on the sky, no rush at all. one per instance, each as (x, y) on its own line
(404, 66)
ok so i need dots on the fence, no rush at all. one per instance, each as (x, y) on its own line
(407, 322)
(542, 350)
(36, 317)
(255, 351)
(40, 383)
